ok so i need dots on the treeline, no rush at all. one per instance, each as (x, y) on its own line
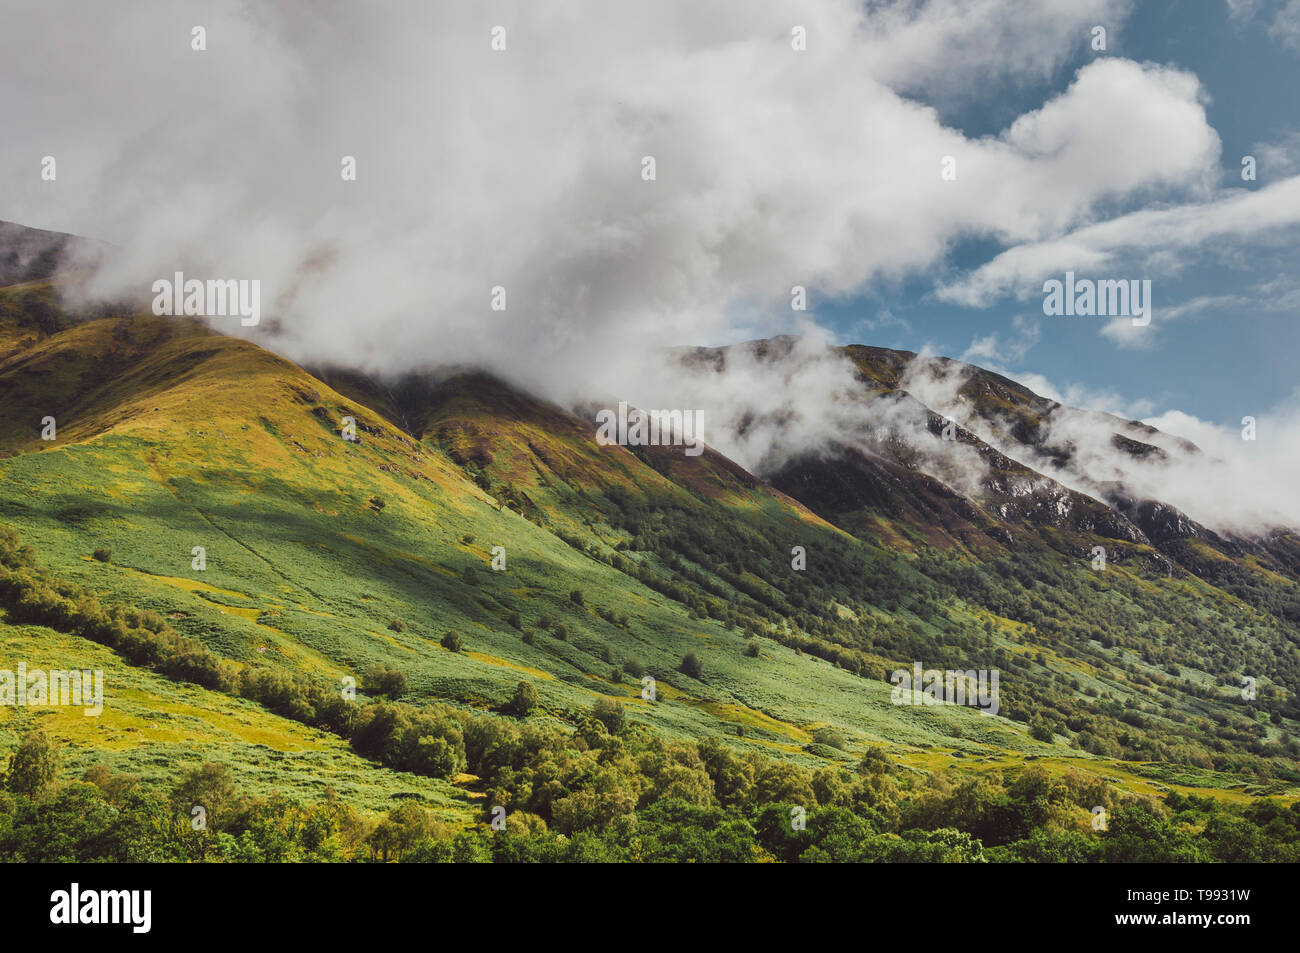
(422, 741)
(1140, 638)
(598, 790)
(32, 595)
(1143, 637)
(597, 796)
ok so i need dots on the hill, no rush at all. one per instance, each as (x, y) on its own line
(350, 525)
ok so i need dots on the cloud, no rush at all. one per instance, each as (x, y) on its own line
(992, 349)
(1123, 332)
(1285, 27)
(1229, 484)
(1279, 158)
(1163, 237)
(522, 168)
(1242, 9)
(961, 46)
(1250, 485)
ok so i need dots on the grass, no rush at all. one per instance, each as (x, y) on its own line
(156, 728)
(208, 441)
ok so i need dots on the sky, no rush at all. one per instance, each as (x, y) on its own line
(1225, 331)
(794, 144)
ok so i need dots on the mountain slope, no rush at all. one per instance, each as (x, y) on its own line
(325, 556)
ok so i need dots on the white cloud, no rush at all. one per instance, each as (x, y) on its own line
(992, 349)
(522, 168)
(1145, 235)
(1242, 9)
(960, 46)
(1231, 485)
(1279, 158)
(1285, 27)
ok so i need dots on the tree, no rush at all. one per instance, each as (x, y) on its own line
(676, 830)
(33, 766)
(524, 699)
(691, 665)
(381, 679)
(610, 714)
(451, 641)
(1138, 832)
(103, 553)
(1040, 730)
(830, 738)
(211, 787)
(403, 828)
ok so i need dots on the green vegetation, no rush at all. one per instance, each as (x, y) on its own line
(1119, 690)
(381, 679)
(600, 796)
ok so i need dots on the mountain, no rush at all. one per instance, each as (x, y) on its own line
(30, 254)
(943, 526)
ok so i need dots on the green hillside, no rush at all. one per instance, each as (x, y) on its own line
(329, 559)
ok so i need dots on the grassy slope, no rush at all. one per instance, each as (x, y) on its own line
(154, 728)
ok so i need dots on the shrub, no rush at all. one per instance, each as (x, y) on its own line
(103, 554)
(380, 679)
(691, 665)
(451, 641)
(426, 741)
(33, 766)
(523, 700)
(610, 714)
(830, 738)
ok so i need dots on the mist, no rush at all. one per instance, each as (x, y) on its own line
(517, 176)
(521, 169)
(1232, 480)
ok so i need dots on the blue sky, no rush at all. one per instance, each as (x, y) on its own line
(1235, 353)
